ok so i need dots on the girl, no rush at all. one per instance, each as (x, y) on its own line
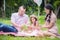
(50, 23)
(34, 28)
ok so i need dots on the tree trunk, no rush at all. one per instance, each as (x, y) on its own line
(58, 13)
(45, 2)
(3, 12)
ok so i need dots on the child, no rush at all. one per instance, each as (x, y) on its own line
(34, 28)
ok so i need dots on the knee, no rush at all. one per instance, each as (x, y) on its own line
(15, 30)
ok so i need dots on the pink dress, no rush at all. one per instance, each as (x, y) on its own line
(54, 27)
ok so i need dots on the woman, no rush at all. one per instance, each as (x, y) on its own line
(50, 21)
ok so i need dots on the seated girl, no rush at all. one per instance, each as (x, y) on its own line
(34, 29)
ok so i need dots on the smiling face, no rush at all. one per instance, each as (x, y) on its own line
(21, 11)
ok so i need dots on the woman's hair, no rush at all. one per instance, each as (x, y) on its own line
(50, 8)
(33, 16)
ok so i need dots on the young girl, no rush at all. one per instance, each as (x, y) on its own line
(50, 23)
(34, 29)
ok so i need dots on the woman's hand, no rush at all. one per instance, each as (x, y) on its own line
(43, 26)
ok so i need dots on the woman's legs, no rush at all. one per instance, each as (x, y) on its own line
(46, 33)
(40, 34)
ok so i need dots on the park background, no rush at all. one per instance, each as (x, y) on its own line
(7, 7)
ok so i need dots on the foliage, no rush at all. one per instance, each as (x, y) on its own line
(57, 3)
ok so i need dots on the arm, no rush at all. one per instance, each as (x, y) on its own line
(27, 21)
(50, 25)
(52, 22)
(14, 24)
(37, 24)
(13, 21)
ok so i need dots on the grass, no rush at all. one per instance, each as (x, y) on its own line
(41, 21)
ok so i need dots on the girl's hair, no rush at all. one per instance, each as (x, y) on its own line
(33, 16)
(50, 8)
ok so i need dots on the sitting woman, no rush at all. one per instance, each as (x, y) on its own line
(50, 23)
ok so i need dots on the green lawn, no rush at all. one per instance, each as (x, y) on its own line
(41, 21)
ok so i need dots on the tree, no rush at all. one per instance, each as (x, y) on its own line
(2, 8)
(57, 8)
(56, 5)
